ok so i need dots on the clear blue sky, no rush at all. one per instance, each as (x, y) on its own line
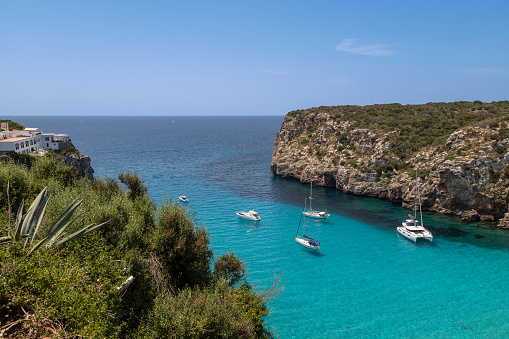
(247, 57)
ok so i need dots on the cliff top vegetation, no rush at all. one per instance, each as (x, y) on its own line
(415, 126)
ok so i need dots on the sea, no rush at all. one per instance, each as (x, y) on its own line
(366, 281)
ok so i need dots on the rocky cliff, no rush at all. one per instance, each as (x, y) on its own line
(459, 149)
(81, 163)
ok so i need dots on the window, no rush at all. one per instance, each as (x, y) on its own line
(22, 145)
(26, 143)
(31, 142)
(17, 146)
(47, 138)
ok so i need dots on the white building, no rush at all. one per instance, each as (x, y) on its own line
(31, 140)
(20, 144)
(55, 142)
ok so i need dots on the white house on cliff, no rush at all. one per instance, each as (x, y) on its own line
(30, 140)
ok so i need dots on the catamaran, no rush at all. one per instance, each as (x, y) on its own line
(304, 240)
(411, 228)
(314, 214)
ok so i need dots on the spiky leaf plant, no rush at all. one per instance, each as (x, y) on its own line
(27, 226)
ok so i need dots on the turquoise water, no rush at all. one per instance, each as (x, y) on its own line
(365, 282)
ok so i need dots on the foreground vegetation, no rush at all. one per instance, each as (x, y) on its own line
(147, 273)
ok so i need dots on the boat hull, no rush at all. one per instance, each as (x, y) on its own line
(307, 244)
(248, 217)
(413, 237)
(316, 215)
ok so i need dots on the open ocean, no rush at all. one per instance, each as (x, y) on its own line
(366, 281)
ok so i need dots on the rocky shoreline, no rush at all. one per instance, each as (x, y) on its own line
(467, 177)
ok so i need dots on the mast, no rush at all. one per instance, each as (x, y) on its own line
(419, 196)
(302, 215)
(415, 198)
(304, 226)
(310, 197)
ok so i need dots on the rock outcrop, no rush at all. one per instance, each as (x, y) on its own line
(465, 173)
(81, 163)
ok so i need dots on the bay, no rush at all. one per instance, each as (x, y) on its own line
(366, 281)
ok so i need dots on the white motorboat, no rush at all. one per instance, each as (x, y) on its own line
(251, 215)
(314, 214)
(304, 240)
(183, 198)
(411, 228)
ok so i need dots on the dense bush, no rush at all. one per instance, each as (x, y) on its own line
(217, 311)
(231, 268)
(72, 290)
(182, 246)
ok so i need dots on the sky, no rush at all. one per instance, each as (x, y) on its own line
(174, 58)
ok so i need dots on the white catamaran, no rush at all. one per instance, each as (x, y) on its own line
(304, 240)
(314, 214)
(411, 228)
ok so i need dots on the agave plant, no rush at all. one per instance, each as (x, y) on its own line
(27, 226)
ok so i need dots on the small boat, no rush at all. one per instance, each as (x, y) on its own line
(251, 215)
(183, 198)
(314, 214)
(411, 228)
(305, 240)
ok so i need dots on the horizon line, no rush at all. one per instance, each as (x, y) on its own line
(150, 116)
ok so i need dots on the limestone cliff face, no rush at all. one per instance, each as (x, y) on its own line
(465, 175)
(81, 163)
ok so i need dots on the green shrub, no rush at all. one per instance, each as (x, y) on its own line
(68, 288)
(20, 184)
(22, 159)
(134, 183)
(214, 312)
(46, 168)
(182, 246)
(230, 268)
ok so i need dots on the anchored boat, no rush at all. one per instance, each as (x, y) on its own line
(251, 215)
(411, 228)
(305, 240)
(314, 214)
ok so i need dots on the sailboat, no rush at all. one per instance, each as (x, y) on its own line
(314, 214)
(304, 240)
(411, 228)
